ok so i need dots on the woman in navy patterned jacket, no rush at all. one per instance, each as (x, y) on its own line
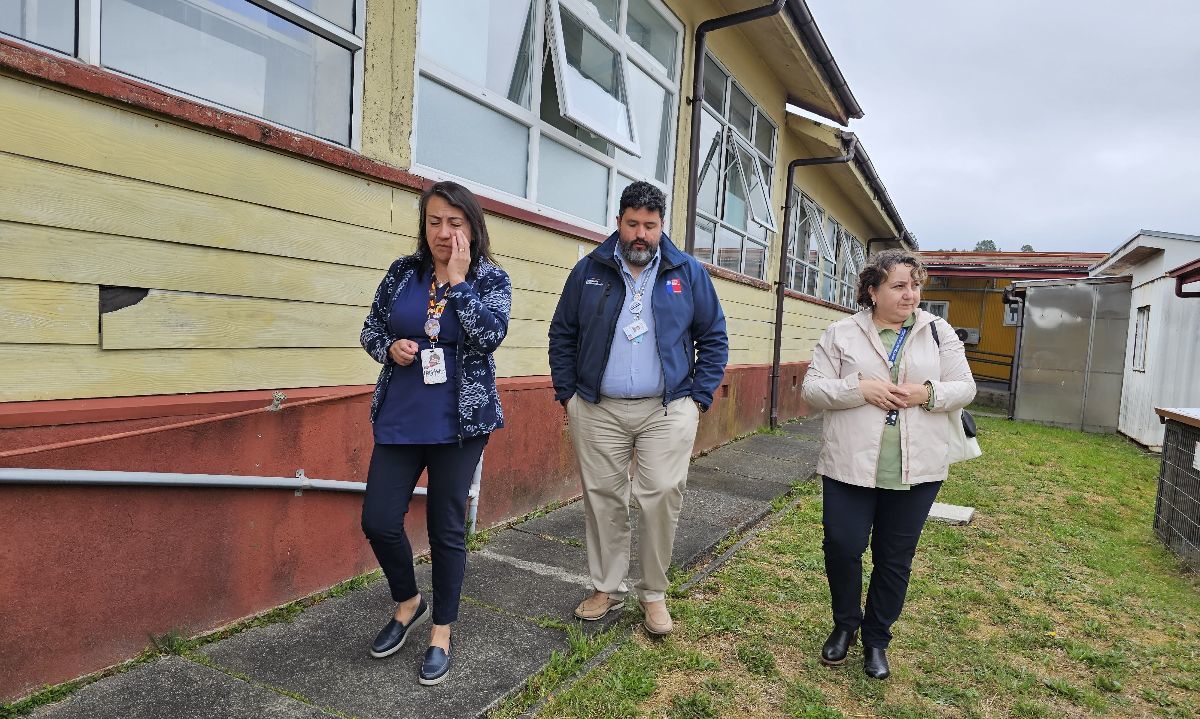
(438, 316)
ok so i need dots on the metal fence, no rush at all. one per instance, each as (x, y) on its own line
(1177, 508)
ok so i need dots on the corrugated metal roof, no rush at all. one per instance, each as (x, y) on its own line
(1010, 260)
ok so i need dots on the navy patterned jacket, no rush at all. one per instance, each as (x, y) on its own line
(483, 304)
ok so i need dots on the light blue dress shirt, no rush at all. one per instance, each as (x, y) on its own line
(634, 368)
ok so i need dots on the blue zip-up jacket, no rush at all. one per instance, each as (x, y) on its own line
(483, 304)
(688, 321)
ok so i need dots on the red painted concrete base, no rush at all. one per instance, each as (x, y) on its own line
(88, 574)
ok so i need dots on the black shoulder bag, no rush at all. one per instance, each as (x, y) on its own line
(967, 420)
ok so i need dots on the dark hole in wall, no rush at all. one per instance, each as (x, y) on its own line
(118, 298)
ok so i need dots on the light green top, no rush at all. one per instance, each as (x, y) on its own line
(889, 472)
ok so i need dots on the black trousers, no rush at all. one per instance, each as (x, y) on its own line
(395, 469)
(892, 520)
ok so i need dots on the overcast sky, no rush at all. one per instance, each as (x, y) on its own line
(1064, 124)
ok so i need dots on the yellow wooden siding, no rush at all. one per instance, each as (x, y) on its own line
(61, 127)
(48, 312)
(166, 320)
(37, 192)
(48, 253)
(978, 303)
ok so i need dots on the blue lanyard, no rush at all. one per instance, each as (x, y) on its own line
(896, 347)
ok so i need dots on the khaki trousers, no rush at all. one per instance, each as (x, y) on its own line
(605, 436)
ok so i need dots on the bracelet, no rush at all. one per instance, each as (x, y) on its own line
(928, 406)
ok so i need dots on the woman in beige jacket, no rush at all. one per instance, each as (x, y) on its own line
(891, 380)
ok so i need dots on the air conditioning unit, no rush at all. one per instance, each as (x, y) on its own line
(968, 336)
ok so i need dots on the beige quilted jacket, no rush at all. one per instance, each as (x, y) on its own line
(850, 350)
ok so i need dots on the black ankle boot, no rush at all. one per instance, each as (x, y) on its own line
(875, 663)
(836, 646)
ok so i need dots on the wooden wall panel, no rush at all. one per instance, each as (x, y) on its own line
(70, 130)
(47, 253)
(48, 312)
(34, 372)
(42, 193)
(165, 320)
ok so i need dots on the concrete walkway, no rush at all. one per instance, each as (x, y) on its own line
(317, 665)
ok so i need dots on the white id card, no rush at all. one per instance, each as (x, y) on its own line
(433, 365)
(635, 329)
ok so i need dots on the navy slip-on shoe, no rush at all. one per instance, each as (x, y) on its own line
(436, 667)
(392, 636)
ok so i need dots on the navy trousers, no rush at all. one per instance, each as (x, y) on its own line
(892, 520)
(395, 469)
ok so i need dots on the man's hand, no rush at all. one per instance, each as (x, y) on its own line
(460, 259)
(402, 352)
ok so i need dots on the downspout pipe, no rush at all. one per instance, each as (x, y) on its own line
(781, 281)
(697, 100)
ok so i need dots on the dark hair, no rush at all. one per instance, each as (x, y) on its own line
(642, 195)
(880, 265)
(462, 199)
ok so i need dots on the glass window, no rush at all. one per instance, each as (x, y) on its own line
(764, 134)
(591, 82)
(756, 188)
(242, 57)
(756, 260)
(339, 12)
(653, 113)
(741, 112)
(705, 233)
(45, 22)
(651, 31)
(715, 81)
(710, 146)
(464, 138)
(608, 11)
(552, 115)
(1141, 330)
(493, 51)
(729, 249)
(737, 196)
(572, 183)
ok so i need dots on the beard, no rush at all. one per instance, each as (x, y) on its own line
(635, 257)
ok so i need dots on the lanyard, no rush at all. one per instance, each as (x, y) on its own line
(896, 347)
(436, 307)
(635, 307)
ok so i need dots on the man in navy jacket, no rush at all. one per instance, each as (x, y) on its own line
(637, 348)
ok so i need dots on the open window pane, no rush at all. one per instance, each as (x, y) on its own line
(737, 201)
(729, 249)
(552, 115)
(607, 10)
(652, 108)
(756, 188)
(237, 55)
(710, 163)
(650, 30)
(462, 137)
(591, 82)
(764, 135)
(487, 42)
(715, 81)
(741, 111)
(338, 12)
(572, 183)
(45, 22)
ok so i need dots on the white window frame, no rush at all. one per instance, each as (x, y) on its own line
(1141, 333)
(531, 117)
(941, 308)
(88, 44)
(844, 252)
(730, 137)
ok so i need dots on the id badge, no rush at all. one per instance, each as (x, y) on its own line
(636, 329)
(433, 365)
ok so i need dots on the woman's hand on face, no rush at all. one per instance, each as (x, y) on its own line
(403, 352)
(460, 259)
(881, 394)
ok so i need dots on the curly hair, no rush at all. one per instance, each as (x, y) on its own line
(876, 271)
(642, 195)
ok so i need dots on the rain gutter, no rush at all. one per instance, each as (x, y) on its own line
(781, 280)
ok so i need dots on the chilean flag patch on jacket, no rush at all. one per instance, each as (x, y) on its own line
(675, 286)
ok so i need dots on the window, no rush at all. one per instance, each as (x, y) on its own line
(734, 222)
(1140, 332)
(297, 63)
(824, 259)
(516, 96)
(941, 309)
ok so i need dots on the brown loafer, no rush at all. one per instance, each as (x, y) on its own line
(657, 620)
(597, 606)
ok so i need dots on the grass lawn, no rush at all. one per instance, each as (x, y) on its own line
(1057, 601)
